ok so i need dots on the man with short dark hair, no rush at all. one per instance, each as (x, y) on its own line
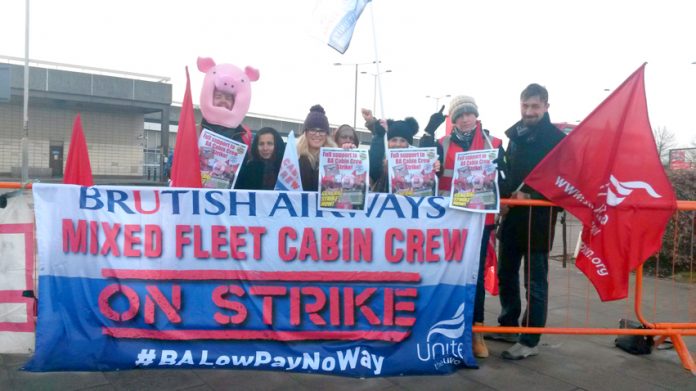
(522, 235)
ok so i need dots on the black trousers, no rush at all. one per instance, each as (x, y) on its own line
(536, 268)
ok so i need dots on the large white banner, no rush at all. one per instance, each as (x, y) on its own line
(193, 278)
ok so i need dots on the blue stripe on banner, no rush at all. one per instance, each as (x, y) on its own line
(105, 324)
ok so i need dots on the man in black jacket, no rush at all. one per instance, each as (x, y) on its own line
(522, 235)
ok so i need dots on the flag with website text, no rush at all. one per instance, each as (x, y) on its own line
(608, 174)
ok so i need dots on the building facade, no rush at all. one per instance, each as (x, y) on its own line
(122, 117)
(112, 108)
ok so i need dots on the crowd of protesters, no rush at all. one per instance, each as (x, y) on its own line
(523, 232)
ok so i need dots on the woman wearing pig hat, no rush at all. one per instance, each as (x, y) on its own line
(225, 98)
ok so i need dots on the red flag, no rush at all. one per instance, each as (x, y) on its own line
(490, 275)
(78, 171)
(186, 167)
(607, 173)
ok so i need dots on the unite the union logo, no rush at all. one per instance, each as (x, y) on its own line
(450, 351)
(621, 190)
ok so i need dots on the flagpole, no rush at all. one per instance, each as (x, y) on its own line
(24, 143)
(379, 78)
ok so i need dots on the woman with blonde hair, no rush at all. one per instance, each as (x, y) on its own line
(315, 136)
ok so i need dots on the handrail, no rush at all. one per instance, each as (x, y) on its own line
(681, 204)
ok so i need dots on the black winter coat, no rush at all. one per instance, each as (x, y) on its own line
(308, 174)
(523, 154)
(258, 175)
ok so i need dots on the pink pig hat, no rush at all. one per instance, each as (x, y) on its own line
(228, 79)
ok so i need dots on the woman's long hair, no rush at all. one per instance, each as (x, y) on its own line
(303, 149)
(354, 134)
(278, 146)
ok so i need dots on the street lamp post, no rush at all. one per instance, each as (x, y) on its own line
(437, 100)
(355, 92)
(374, 94)
(24, 142)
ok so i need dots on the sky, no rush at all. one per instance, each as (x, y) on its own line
(489, 50)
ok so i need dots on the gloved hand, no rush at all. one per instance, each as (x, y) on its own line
(499, 162)
(435, 121)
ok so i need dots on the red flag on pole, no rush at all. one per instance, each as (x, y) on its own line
(490, 275)
(78, 170)
(186, 167)
(607, 173)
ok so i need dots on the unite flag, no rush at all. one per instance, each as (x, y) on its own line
(337, 19)
(607, 173)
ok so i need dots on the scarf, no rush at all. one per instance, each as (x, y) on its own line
(470, 141)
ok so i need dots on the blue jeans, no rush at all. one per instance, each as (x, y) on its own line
(536, 283)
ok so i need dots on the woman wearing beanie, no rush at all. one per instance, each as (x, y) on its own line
(315, 136)
(260, 172)
(399, 135)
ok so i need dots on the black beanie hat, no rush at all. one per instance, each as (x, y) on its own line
(406, 129)
(316, 119)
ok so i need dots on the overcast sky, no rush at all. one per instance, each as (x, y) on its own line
(487, 49)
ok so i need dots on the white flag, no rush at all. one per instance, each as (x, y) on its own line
(336, 21)
(289, 174)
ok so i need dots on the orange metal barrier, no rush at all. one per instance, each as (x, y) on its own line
(663, 330)
(14, 185)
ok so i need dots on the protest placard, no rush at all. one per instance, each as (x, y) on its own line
(221, 158)
(475, 182)
(412, 172)
(343, 178)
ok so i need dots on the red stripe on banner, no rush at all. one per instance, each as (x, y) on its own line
(16, 228)
(243, 275)
(25, 327)
(15, 296)
(274, 335)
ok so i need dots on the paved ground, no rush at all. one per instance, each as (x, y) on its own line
(565, 362)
